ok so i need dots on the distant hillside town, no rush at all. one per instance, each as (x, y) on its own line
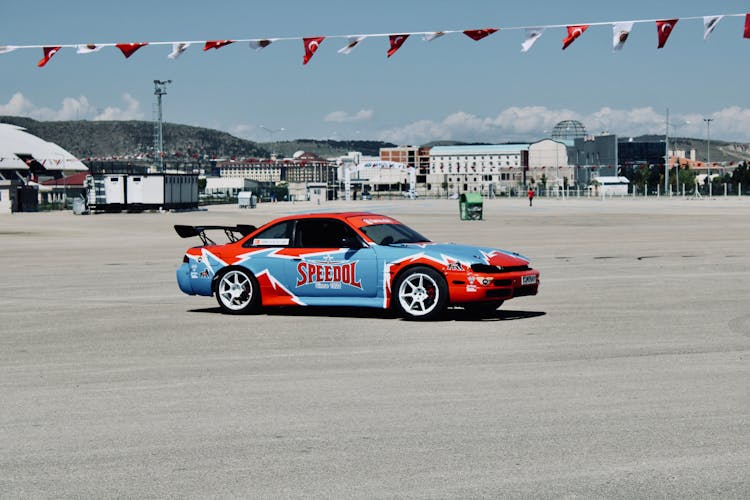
(115, 166)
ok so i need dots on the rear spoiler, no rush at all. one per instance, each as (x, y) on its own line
(234, 233)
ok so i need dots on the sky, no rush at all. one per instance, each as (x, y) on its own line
(450, 88)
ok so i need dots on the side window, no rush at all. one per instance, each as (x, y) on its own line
(325, 233)
(278, 235)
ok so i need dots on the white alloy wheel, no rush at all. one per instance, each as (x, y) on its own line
(236, 291)
(422, 293)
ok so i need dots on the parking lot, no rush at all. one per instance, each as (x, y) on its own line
(627, 376)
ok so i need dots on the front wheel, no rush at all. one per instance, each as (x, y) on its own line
(421, 293)
(237, 292)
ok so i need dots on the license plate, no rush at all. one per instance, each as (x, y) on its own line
(528, 280)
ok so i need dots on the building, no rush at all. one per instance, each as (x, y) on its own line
(262, 170)
(25, 161)
(26, 157)
(412, 156)
(594, 156)
(486, 169)
(60, 191)
(549, 164)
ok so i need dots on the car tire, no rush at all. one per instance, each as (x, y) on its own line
(237, 291)
(421, 293)
(482, 308)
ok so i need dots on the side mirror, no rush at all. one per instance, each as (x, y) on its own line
(350, 242)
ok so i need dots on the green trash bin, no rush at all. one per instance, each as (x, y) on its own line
(470, 206)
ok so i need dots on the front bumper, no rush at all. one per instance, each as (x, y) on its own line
(492, 287)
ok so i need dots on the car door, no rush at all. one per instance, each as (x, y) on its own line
(333, 261)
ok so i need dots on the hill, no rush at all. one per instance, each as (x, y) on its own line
(89, 139)
(327, 148)
(86, 139)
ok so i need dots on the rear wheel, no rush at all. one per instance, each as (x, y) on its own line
(421, 293)
(237, 292)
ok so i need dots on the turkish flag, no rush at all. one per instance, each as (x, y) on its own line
(747, 26)
(48, 53)
(664, 29)
(479, 34)
(311, 45)
(573, 33)
(216, 44)
(128, 49)
(396, 42)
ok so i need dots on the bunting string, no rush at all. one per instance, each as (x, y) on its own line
(621, 31)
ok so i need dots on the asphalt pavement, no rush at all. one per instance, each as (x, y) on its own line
(626, 377)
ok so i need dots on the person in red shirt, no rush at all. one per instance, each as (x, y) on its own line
(531, 196)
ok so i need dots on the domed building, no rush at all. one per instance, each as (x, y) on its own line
(568, 130)
(27, 160)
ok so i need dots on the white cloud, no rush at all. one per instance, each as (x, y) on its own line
(344, 117)
(71, 109)
(18, 105)
(131, 112)
(534, 122)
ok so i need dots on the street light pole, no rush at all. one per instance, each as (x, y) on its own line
(666, 155)
(708, 152)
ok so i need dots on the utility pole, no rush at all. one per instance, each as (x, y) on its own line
(160, 89)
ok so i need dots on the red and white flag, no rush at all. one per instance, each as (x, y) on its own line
(620, 33)
(709, 24)
(177, 49)
(532, 35)
(216, 44)
(48, 53)
(353, 42)
(311, 46)
(261, 44)
(477, 35)
(128, 49)
(428, 37)
(4, 49)
(747, 26)
(396, 42)
(573, 33)
(664, 29)
(88, 48)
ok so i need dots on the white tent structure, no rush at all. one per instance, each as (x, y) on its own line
(18, 149)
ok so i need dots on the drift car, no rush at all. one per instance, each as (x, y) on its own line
(349, 259)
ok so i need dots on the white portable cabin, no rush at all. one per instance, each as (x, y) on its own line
(114, 188)
(610, 186)
(134, 192)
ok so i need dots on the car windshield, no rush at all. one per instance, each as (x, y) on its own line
(389, 234)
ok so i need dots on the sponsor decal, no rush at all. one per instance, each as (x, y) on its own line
(204, 274)
(271, 242)
(372, 222)
(471, 288)
(454, 266)
(328, 273)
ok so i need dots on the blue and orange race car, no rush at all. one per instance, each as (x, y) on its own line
(349, 259)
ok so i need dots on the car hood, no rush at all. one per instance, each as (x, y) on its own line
(466, 253)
